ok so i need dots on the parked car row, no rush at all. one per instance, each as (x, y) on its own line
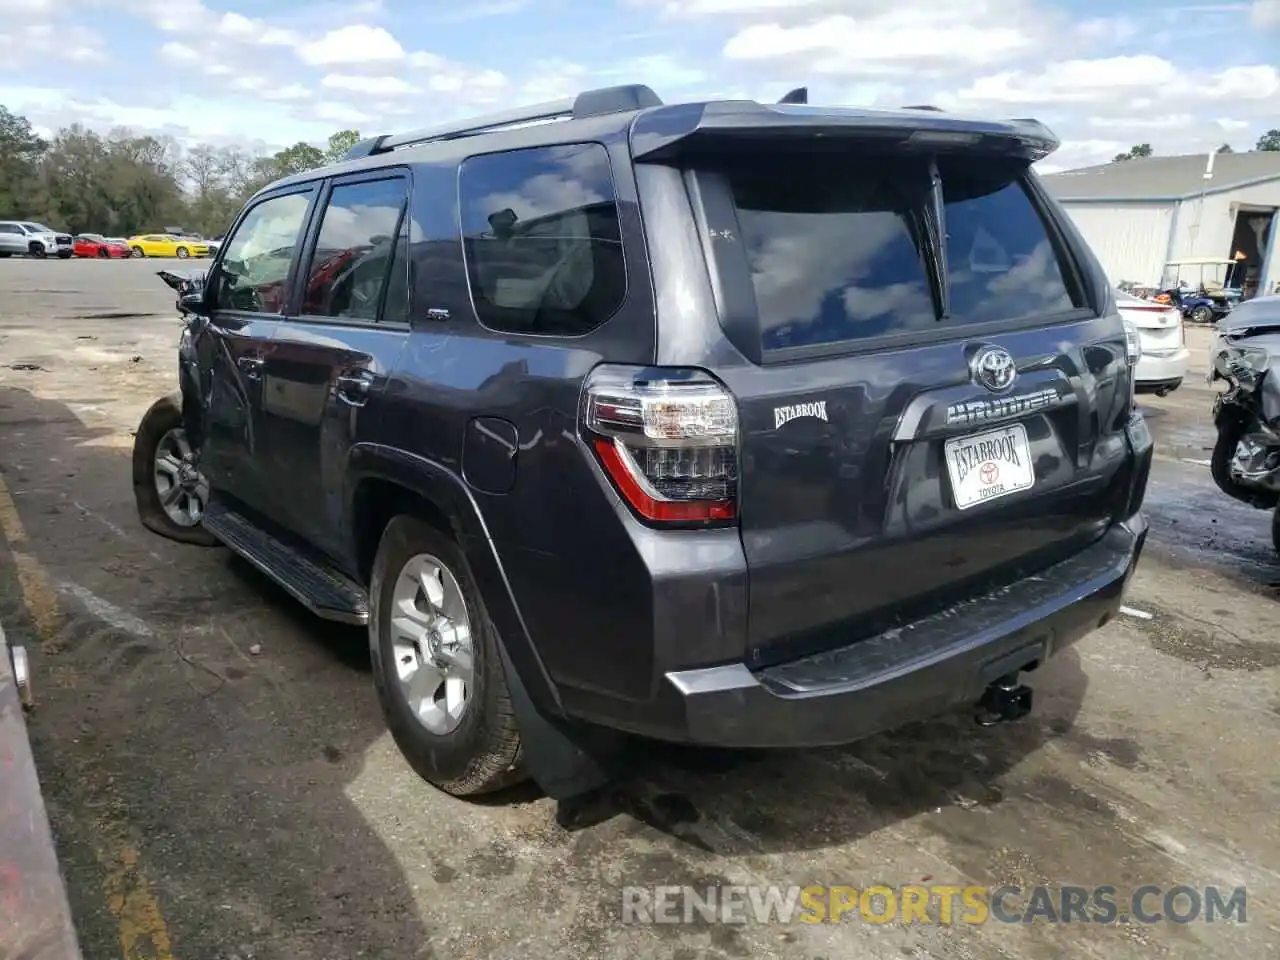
(26, 238)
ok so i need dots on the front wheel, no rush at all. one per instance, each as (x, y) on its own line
(168, 489)
(1275, 528)
(37, 250)
(1202, 314)
(436, 664)
(137, 252)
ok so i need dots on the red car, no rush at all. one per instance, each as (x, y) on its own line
(96, 245)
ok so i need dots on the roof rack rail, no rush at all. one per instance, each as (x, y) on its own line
(798, 95)
(589, 103)
(924, 106)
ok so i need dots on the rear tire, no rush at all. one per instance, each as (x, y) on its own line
(1275, 529)
(137, 252)
(161, 426)
(1201, 315)
(5, 254)
(481, 753)
(183, 253)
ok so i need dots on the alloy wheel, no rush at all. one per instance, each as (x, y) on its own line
(431, 642)
(183, 491)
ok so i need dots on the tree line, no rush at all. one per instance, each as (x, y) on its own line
(1269, 142)
(123, 183)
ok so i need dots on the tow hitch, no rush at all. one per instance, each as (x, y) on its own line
(1004, 700)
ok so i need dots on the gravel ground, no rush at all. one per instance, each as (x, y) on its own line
(221, 785)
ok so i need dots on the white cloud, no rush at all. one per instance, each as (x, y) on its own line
(27, 44)
(900, 41)
(174, 52)
(387, 86)
(1265, 13)
(354, 44)
(1127, 84)
(339, 113)
(258, 32)
(294, 91)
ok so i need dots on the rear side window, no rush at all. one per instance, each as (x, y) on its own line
(835, 248)
(542, 239)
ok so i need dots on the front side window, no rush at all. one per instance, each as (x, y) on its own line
(254, 269)
(355, 250)
(836, 246)
(542, 239)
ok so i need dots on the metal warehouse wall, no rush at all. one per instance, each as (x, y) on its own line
(1131, 240)
(1207, 231)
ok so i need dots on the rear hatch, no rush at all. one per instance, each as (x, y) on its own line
(929, 407)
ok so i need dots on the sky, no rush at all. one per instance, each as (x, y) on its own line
(1184, 77)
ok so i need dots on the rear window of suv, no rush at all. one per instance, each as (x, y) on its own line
(835, 247)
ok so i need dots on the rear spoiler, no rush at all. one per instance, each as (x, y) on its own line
(660, 133)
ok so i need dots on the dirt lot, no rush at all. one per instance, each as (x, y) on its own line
(221, 785)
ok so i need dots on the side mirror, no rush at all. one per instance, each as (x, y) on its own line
(192, 301)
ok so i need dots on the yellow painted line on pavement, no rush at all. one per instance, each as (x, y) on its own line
(130, 898)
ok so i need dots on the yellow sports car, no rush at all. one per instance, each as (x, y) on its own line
(166, 245)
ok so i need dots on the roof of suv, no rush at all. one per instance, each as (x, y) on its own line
(615, 110)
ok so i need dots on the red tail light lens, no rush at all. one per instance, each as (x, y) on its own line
(668, 441)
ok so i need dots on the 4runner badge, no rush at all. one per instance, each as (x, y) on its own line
(816, 409)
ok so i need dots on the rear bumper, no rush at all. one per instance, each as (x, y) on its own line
(923, 669)
(707, 694)
(1162, 369)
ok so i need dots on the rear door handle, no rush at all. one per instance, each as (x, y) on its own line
(353, 389)
(251, 367)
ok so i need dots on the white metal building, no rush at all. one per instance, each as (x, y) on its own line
(1140, 214)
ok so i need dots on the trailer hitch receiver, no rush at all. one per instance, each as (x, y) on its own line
(1004, 700)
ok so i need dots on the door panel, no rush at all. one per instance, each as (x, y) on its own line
(231, 355)
(329, 365)
(323, 390)
(245, 298)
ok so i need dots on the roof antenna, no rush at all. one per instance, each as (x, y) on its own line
(798, 95)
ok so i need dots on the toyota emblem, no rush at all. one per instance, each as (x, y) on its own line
(993, 368)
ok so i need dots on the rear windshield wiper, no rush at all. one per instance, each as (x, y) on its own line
(935, 246)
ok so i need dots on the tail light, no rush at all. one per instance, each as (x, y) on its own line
(668, 441)
(1132, 354)
(1132, 343)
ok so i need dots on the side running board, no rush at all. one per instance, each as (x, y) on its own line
(321, 589)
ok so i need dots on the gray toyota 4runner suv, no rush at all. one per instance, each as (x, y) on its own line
(723, 423)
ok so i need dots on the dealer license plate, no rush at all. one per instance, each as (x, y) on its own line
(987, 466)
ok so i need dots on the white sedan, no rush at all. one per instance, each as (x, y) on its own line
(1164, 343)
